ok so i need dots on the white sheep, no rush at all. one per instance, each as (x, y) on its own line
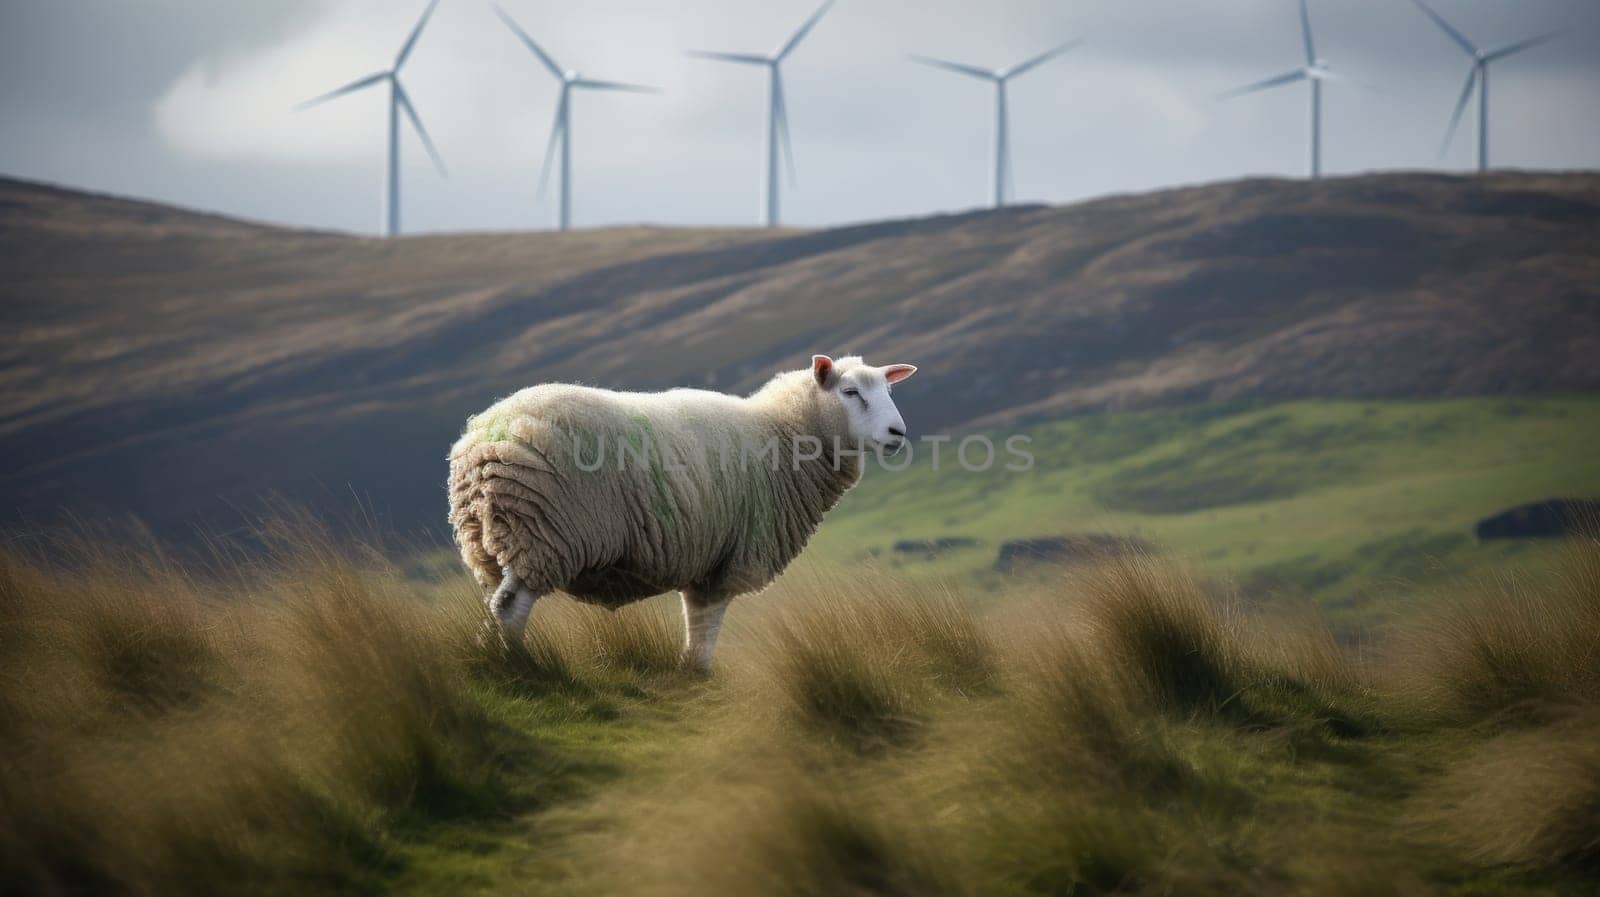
(616, 496)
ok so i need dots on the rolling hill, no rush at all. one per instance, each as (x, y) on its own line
(178, 366)
(1360, 505)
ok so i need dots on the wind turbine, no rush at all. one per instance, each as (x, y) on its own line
(562, 129)
(398, 102)
(1477, 76)
(1315, 71)
(1002, 127)
(777, 111)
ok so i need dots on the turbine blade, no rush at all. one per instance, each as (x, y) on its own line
(411, 40)
(557, 132)
(1286, 78)
(352, 87)
(780, 113)
(530, 43)
(805, 29)
(1039, 60)
(1461, 107)
(746, 58)
(416, 122)
(958, 67)
(1519, 46)
(1458, 37)
(592, 84)
(1305, 34)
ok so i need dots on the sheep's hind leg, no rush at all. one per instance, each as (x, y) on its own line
(510, 604)
(702, 619)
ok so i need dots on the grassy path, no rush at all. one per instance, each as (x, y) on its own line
(1257, 761)
(592, 737)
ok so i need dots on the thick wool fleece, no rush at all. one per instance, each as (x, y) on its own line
(707, 508)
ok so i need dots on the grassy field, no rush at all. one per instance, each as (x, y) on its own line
(313, 723)
(1353, 503)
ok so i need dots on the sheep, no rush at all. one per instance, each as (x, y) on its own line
(613, 497)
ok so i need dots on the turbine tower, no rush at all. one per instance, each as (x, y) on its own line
(398, 102)
(1002, 126)
(1477, 76)
(1315, 71)
(562, 128)
(777, 111)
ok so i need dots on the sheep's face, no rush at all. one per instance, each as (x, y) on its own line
(863, 392)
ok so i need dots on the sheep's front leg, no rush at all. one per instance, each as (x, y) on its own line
(510, 604)
(702, 618)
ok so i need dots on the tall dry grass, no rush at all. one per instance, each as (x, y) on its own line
(167, 734)
(1135, 731)
(1508, 646)
(292, 723)
(793, 832)
(1528, 797)
(863, 660)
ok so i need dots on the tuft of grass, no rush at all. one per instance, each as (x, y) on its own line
(1073, 718)
(1529, 798)
(643, 639)
(1170, 636)
(862, 661)
(1071, 847)
(952, 650)
(401, 726)
(1511, 647)
(148, 658)
(805, 841)
(828, 665)
(539, 662)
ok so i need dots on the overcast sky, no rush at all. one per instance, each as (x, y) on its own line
(188, 101)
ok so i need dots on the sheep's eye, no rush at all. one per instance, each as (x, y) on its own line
(853, 393)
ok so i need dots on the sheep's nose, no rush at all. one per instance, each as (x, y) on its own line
(897, 431)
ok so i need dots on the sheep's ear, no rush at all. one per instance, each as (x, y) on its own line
(894, 373)
(822, 369)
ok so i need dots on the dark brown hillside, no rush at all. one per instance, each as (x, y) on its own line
(169, 363)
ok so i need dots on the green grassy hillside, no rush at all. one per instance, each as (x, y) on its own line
(224, 361)
(1340, 500)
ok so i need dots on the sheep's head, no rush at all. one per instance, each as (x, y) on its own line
(863, 392)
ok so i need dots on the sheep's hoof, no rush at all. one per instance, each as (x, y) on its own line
(492, 637)
(693, 666)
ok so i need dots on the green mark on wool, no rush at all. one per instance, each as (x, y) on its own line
(635, 439)
(491, 426)
(652, 451)
(760, 506)
(587, 448)
(766, 509)
(663, 502)
(643, 429)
